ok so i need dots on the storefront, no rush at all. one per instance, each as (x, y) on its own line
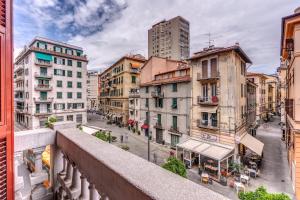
(213, 158)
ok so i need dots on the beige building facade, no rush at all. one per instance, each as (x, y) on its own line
(92, 90)
(272, 90)
(170, 39)
(290, 59)
(261, 95)
(116, 82)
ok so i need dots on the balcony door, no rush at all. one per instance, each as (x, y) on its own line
(43, 71)
(205, 92)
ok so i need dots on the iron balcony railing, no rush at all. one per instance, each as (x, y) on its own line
(212, 100)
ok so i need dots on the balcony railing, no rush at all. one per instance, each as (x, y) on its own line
(43, 112)
(18, 67)
(205, 100)
(205, 124)
(20, 78)
(43, 99)
(157, 94)
(158, 125)
(133, 94)
(84, 167)
(43, 87)
(205, 77)
(43, 75)
(174, 129)
(43, 63)
(17, 98)
(133, 70)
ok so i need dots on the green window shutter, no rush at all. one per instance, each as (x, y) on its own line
(55, 60)
(55, 71)
(38, 44)
(174, 121)
(64, 72)
(79, 95)
(79, 64)
(64, 61)
(78, 84)
(69, 73)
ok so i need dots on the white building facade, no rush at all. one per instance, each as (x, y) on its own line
(50, 80)
(92, 90)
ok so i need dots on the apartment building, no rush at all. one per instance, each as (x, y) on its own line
(116, 82)
(290, 59)
(165, 98)
(92, 90)
(282, 87)
(218, 112)
(134, 108)
(50, 80)
(251, 106)
(272, 99)
(261, 96)
(170, 39)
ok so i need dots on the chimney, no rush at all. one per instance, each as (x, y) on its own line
(297, 10)
(237, 44)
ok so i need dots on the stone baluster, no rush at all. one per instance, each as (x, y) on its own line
(64, 171)
(75, 185)
(94, 195)
(68, 177)
(84, 189)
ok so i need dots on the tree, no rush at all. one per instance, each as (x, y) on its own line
(262, 194)
(176, 166)
(50, 121)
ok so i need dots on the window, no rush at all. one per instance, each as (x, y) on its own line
(174, 103)
(69, 73)
(159, 119)
(59, 72)
(79, 75)
(213, 89)
(69, 62)
(205, 90)
(133, 79)
(69, 95)
(79, 118)
(147, 103)
(59, 95)
(78, 95)
(57, 49)
(160, 103)
(69, 84)
(174, 87)
(214, 119)
(174, 140)
(242, 90)
(58, 83)
(69, 51)
(43, 95)
(147, 89)
(60, 118)
(59, 106)
(42, 45)
(204, 118)
(79, 64)
(174, 122)
(69, 117)
(79, 85)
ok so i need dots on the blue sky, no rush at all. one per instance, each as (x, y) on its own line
(109, 29)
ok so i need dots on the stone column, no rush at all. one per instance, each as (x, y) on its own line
(93, 192)
(69, 171)
(84, 189)
(75, 178)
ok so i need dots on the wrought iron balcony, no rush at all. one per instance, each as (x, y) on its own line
(43, 75)
(157, 94)
(43, 112)
(43, 87)
(19, 78)
(43, 63)
(43, 99)
(158, 125)
(134, 94)
(174, 129)
(77, 160)
(205, 100)
(18, 67)
(205, 124)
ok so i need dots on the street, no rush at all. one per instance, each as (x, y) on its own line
(273, 172)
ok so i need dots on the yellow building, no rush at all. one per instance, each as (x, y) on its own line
(290, 58)
(261, 97)
(115, 85)
(282, 86)
(272, 99)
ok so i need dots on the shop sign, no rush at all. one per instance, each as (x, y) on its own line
(209, 137)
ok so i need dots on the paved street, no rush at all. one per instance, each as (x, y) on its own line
(274, 170)
(138, 144)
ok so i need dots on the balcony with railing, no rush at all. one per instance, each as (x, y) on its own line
(175, 129)
(206, 100)
(43, 87)
(157, 94)
(19, 78)
(207, 124)
(208, 77)
(43, 75)
(84, 167)
(43, 99)
(158, 125)
(19, 67)
(40, 112)
(134, 93)
(43, 63)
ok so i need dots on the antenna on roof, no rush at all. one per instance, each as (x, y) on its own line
(210, 40)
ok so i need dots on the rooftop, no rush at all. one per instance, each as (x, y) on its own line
(217, 50)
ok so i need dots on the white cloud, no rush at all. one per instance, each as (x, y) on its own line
(255, 24)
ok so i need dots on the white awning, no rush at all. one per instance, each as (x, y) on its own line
(209, 109)
(213, 150)
(253, 144)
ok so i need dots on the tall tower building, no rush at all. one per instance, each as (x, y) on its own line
(170, 39)
(50, 80)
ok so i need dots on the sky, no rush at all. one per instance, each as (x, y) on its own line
(110, 29)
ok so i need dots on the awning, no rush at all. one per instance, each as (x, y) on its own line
(253, 144)
(215, 151)
(135, 65)
(43, 56)
(145, 126)
(130, 121)
(209, 109)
